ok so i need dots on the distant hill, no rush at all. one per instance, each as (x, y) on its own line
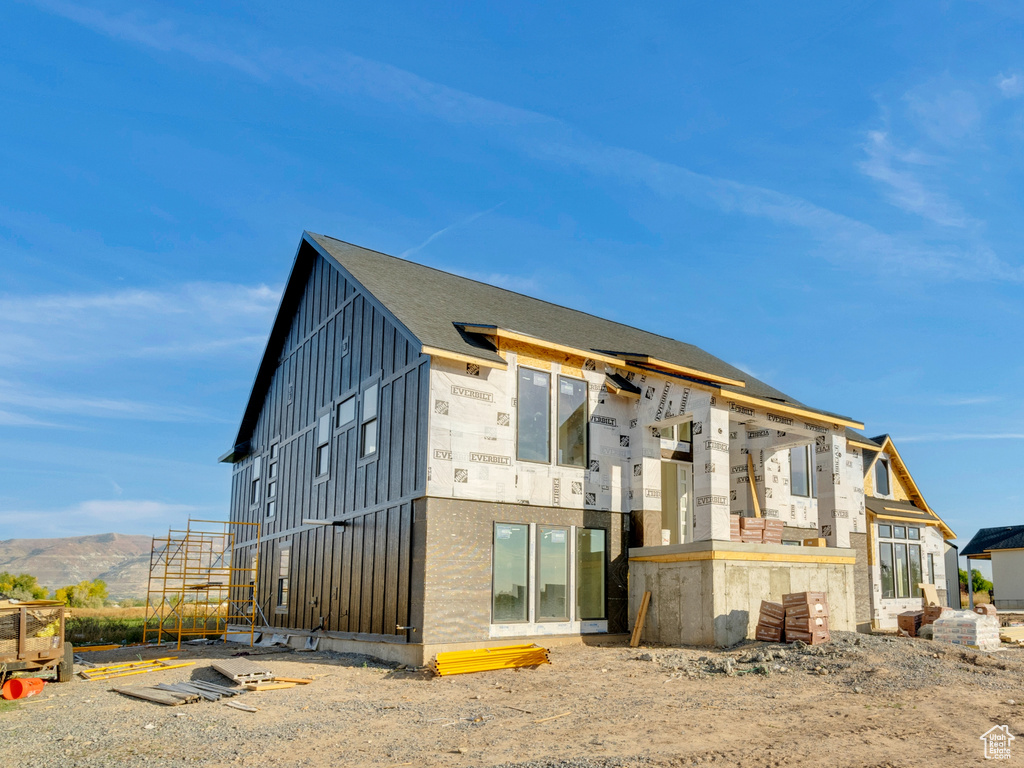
(122, 561)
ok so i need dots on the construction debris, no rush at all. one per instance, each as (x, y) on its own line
(131, 668)
(268, 686)
(486, 659)
(167, 698)
(1012, 635)
(241, 706)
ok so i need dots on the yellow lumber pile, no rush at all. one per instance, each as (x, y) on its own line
(1012, 635)
(486, 659)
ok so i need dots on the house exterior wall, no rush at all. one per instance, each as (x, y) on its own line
(1008, 578)
(352, 580)
(457, 568)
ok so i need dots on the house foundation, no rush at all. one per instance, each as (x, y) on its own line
(709, 593)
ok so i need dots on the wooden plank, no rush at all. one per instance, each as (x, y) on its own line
(295, 680)
(931, 595)
(151, 694)
(753, 485)
(366, 590)
(380, 557)
(641, 617)
(267, 686)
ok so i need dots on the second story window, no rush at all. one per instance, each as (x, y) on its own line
(533, 416)
(323, 445)
(882, 477)
(368, 432)
(572, 422)
(254, 484)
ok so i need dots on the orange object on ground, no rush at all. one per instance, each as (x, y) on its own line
(22, 688)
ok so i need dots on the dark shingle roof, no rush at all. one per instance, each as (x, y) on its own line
(430, 302)
(893, 507)
(1008, 537)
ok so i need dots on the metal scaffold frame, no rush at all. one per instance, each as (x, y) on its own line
(201, 583)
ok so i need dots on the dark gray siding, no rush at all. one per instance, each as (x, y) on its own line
(355, 579)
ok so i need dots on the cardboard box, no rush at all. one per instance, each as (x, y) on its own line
(933, 613)
(772, 537)
(752, 523)
(768, 634)
(751, 538)
(806, 604)
(986, 609)
(771, 522)
(910, 622)
(811, 638)
(807, 623)
(815, 543)
(772, 614)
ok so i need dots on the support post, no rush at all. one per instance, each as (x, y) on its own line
(970, 586)
(835, 505)
(711, 473)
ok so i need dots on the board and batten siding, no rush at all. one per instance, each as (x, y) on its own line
(352, 578)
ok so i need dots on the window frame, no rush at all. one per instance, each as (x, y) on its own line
(519, 407)
(808, 468)
(255, 484)
(369, 384)
(882, 470)
(273, 478)
(577, 576)
(322, 445)
(282, 561)
(586, 423)
(568, 574)
(527, 586)
(894, 542)
(350, 397)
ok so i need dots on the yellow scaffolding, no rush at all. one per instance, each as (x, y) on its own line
(201, 583)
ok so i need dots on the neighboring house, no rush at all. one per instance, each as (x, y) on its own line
(1005, 548)
(907, 542)
(437, 463)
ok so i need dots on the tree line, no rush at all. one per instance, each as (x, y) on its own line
(24, 586)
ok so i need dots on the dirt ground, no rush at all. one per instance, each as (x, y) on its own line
(857, 701)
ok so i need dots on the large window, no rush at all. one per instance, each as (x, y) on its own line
(552, 573)
(533, 420)
(368, 432)
(901, 562)
(590, 573)
(511, 573)
(545, 573)
(882, 477)
(572, 422)
(799, 471)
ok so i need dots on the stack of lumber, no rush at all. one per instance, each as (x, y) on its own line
(243, 671)
(910, 622)
(770, 622)
(806, 617)
(486, 659)
(1012, 635)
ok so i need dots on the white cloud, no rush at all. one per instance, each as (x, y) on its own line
(66, 403)
(896, 169)
(87, 517)
(468, 220)
(183, 321)
(1011, 86)
(946, 114)
(949, 115)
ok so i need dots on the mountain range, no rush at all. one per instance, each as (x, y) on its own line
(122, 561)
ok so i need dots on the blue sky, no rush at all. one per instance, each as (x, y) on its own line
(827, 195)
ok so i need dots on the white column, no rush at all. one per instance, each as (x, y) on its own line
(835, 494)
(711, 473)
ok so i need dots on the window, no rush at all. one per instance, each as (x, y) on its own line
(254, 484)
(323, 445)
(548, 573)
(799, 471)
(511, 573)
(368, 432)
(902, 580)
(680, 433)
(590, 573)
(283, 561)
(533, 416)
(900, 562)
(572, 422)
(346, 412)
(882, 477)
(886, 564)
(931, 569)
(272, 480)
(916, 577)
(552, 573)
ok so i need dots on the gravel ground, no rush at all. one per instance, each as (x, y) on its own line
(857, 701)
